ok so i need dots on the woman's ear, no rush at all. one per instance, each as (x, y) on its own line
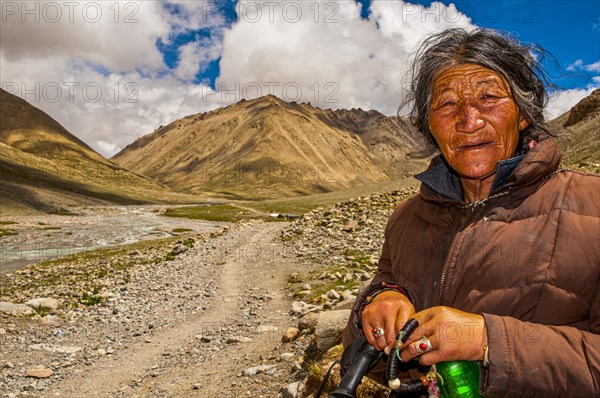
(523, 123)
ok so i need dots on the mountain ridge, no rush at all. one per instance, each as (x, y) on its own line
(295, 143)
(45, 168)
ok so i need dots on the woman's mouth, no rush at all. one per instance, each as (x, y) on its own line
(475, 145)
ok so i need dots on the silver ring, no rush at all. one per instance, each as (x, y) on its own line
(422, 345)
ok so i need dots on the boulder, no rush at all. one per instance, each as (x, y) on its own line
(16, 309)
(308, 321)
(45, 303)
(329, 329)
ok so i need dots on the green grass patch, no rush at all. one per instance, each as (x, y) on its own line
(221, 212)
(180, 230)
(7, 232)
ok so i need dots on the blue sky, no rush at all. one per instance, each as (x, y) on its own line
(569, 30)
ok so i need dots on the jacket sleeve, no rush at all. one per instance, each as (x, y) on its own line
(354, 328)
(384, 266)
(534, 360)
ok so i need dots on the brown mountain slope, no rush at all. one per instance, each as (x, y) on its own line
(44, 167)
(267, 147)
(580, 133)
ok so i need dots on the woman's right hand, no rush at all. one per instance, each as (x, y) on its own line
(389, 310)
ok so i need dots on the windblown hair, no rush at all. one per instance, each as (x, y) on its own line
(519, 64)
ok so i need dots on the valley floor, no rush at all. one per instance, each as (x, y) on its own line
(182, 328)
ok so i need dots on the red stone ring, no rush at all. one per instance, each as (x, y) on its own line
(377, 332)
(422, 345)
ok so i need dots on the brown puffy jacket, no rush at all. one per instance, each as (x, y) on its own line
(528, 259)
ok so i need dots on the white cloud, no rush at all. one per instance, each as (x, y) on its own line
(595, 67)
(195, 56)
(343, 63)
(575, 65)
(579, 65)
(562, 101)
(118, 36)
(105, 81)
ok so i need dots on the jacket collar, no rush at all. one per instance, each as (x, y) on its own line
(441, 183)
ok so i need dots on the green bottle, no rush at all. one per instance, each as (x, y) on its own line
(460, 379)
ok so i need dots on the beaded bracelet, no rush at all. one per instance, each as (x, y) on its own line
(385, 286)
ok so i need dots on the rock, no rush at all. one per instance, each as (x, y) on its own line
(16, 309)
(101, 352)
(308, 321)
(196, 386)
(286, 356)
(347, 295)
(329, 329)
(62, 349)
(290, 334)
(297, 366)
(257, 369)
(351, 226)
(306, 286)
(237, 339)
(365, 276)
(45, 303)
(332, 294)
(9, 365)
(134, 253)
(298, 307)
(40, 372)
(178, 249)
(346, 304)
(291, 390)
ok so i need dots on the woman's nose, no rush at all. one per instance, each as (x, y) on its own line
(468, 119)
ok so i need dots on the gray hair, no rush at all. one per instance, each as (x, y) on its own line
(519, 64)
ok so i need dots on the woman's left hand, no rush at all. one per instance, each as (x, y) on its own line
(454, 335)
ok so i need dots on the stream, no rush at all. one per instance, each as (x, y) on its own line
(44, 237)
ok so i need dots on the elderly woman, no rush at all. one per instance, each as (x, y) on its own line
(498, 255)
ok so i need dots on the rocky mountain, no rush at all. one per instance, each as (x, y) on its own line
(267, 147)
(580, 133)
(44, 167)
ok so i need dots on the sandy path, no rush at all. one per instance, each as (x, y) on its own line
(250, 306)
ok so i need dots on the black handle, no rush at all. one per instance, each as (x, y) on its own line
(367, 357)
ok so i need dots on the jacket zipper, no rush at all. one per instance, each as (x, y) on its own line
(438, 298)
(468, 220)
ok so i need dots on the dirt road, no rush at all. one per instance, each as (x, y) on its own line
(187, 328)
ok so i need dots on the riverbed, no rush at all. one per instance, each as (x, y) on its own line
(43, 237)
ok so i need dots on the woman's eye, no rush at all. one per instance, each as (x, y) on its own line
(446, 103)
(488, 97)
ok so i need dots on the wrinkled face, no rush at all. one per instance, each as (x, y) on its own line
(474, 119)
